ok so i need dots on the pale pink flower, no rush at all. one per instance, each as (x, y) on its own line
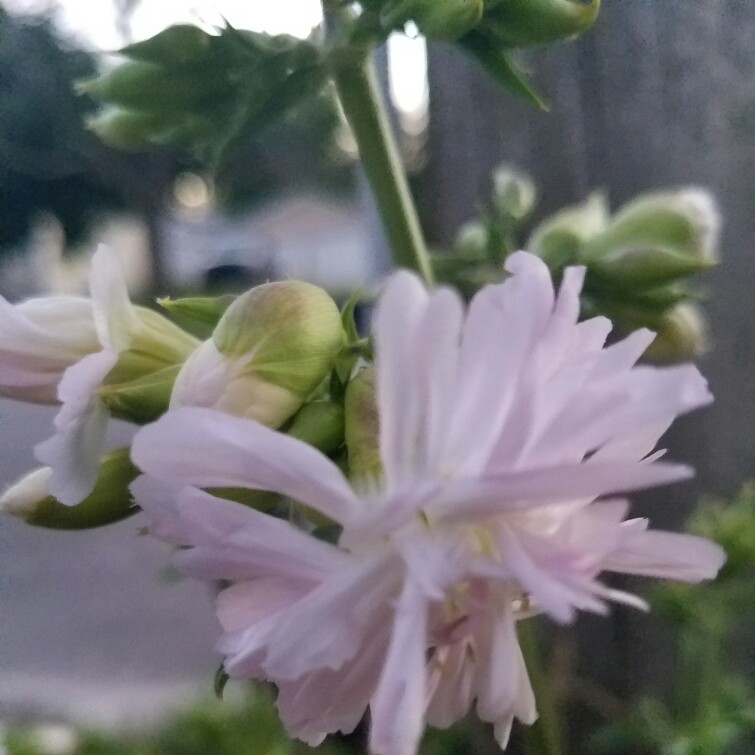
(499, 429)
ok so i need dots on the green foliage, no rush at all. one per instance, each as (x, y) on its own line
(712, 707)
(246, 727)
(207, 93)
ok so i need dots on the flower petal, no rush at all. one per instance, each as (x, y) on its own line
(488, 496)
(653, 553)
(206, 448)
(74, 451)
(397, 315)
(114, 315)
(398, 706)
(230, 540)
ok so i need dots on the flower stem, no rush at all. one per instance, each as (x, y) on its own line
(544, 736)
(363, 105)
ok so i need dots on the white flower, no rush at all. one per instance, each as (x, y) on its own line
(39, 340)
(134, 339)
(499, 429)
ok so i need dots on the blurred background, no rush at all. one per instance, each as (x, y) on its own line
(94, 628)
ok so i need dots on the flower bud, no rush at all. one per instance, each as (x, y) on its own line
(269, 351)
(124, 129)
(321, 424)
(108, 502)
(178, 45)
(473, 240)
(514, 193)
(436, 19)
(656, 239)
(681, 334)
(521, 23)
(147, 87)
(362, 428)
(558, 240)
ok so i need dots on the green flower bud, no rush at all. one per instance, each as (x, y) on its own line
(204, 309)
(142, 400)
(177, 45)
(273, 346)
(514, 193)
(436, 19)
(521, 23)
(124, 129)
(321, 424)
(109, 501)
(656, 239)
(681, 334)
(473, 240)
(642, 267)
(141, 86)
(558, 240)
(362, 428)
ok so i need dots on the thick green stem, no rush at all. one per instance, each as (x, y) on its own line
(544, 736)
(362, 103)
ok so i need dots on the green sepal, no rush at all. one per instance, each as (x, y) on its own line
(142, 400)
(492, 56)
(220, 681)
(109, 502)
(204, 309)
(344, 364)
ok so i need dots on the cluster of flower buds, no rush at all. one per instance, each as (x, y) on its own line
(190, 89)
(99, 357)
(489, 30)
(639, 261)
(484, 243)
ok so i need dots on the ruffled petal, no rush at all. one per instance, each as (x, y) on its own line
(490, 496)
(230, 540)
(75, 449)
(206, 448)
(653, 553)
(398, 706)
